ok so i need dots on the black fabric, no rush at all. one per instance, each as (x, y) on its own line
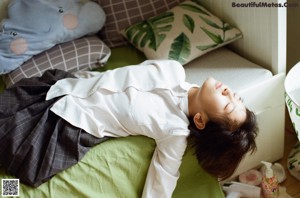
(35, 143)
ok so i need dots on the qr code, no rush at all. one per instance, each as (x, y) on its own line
(10, 187)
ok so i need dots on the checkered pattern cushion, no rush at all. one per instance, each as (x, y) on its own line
(81, 54)
(122, 13)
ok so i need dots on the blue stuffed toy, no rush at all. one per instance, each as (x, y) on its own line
(34, 26)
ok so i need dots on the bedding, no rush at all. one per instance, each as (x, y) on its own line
(261, 43)
(85, 53)
(25, 32)
(228, 67)
(182, 33)
(118, 167)
(122, 13)
(35, 143)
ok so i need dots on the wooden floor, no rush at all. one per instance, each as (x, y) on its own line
(292, 185)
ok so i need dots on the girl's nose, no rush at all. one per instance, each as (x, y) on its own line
(228, 93)
(225, 91)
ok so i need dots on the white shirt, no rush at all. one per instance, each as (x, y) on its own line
(149, 99)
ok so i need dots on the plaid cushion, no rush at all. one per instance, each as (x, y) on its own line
(80, 54)
(122, 13)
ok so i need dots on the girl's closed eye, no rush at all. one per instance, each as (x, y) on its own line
(238, 97)
(229, 107)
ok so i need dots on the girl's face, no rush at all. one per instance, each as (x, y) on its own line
(217, 99)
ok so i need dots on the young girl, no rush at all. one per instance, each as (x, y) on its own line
(47, 124)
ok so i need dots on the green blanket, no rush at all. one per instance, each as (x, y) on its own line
(117, 168)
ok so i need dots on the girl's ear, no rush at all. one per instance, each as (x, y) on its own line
(200, 121)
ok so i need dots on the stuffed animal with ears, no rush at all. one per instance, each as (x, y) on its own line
(33, 26)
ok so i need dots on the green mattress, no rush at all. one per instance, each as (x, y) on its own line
(117, 168)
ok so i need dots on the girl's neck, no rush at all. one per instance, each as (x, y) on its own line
(192, 100)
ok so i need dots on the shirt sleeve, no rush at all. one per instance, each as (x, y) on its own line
(163, 171)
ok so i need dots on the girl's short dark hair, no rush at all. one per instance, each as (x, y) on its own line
(219, 149)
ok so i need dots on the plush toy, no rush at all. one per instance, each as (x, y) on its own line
(33, 26)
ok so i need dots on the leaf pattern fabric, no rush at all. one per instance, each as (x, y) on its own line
(183, 33)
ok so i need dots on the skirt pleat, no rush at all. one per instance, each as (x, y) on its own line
(35, 143)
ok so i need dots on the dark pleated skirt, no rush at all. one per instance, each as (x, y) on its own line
(35, 143)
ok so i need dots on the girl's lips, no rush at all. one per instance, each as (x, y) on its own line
(218, 85)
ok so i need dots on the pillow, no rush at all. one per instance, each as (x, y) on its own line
(33, 26)
(84, 53)
(122, 13)
(183, 33)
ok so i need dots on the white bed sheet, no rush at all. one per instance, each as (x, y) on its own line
(228, 67)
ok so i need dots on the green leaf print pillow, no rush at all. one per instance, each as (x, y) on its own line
(183, 33)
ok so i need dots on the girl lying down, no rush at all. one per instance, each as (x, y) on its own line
(48, 123)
